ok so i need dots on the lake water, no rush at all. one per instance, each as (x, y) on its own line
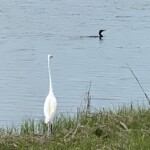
(29, 30)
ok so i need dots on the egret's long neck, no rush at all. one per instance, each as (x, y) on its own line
(50, 81)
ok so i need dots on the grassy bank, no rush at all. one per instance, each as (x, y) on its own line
(125, 129)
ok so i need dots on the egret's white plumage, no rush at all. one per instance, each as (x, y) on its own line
(50, 104)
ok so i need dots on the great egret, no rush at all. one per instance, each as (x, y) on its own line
(50, 104)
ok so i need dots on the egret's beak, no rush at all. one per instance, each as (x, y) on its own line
(50, 56)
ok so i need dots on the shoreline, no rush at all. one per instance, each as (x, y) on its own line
(125, 128)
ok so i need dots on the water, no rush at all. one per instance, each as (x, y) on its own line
(30, 30)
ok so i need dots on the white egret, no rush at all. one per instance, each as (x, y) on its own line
(50, 104)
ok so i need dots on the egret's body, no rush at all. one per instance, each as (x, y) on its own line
(50, 104)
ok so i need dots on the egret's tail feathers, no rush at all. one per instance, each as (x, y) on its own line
(46, 120)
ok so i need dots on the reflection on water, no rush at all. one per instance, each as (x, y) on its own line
(31, 30)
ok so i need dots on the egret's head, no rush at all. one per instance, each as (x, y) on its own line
(50, 56)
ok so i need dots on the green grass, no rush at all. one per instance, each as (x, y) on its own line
(124, 129)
